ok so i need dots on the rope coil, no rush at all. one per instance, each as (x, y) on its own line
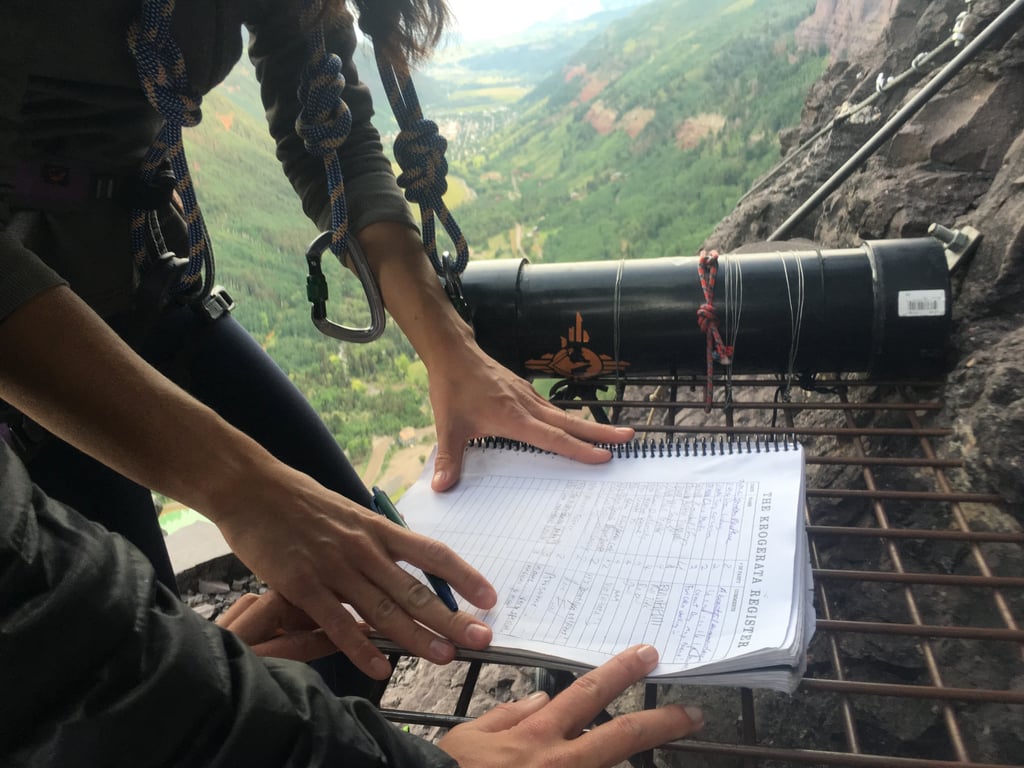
(164, 80)
(325, 121)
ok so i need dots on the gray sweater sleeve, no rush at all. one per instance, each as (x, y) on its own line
(277, 49)
(103, 666)
(22, 273)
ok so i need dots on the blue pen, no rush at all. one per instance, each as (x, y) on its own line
(382, 505)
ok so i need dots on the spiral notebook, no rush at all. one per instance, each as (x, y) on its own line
(696, 547)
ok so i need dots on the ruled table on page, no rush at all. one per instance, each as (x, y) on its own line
(601, 565)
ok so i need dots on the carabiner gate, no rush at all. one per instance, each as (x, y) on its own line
(316, 292)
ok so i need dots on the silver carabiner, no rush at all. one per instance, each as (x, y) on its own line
(316, 292)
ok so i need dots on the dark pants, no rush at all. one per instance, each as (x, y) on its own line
(221, 365)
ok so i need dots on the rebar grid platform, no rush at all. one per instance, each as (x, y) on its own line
(918, 657)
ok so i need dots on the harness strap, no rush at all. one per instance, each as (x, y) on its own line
(59, 185)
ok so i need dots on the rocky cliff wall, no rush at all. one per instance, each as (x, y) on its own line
(847, 28)
(959, 162)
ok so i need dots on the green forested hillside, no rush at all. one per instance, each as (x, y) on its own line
(637, 147)
(647, 137)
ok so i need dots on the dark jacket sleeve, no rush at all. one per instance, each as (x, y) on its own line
(277, 49)
(102, 666)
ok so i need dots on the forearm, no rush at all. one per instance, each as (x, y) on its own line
(413, 294)
(62, 366)
(95, 650)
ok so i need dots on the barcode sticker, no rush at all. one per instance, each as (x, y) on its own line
(922, 303)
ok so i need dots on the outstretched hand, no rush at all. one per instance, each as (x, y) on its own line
(471, 394)
(536, 731)
(475, 396)
(319, 550)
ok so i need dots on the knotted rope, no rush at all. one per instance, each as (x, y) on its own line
(324, 121)
(420, 152)
(707, 319)
(161, 70)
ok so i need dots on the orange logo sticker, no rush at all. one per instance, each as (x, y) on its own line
(575, 359)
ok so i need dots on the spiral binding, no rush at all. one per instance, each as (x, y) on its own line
(673, 446)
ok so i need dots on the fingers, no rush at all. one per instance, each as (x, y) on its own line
(578, 705)
(413, 613)
(344, 632)
(236, 609)
(507, 715)
(351, 556)
(298, 646)
(608, 744)
(432, 556)
(521, 414)
(272, 626)
(447, 462)
(627, 735)
(256, 618)
(534, 732)
(569, 435)
(401, 607)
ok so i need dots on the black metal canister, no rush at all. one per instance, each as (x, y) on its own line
(883, 308)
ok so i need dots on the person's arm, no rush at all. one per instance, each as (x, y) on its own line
(277, 49)
(102, 665)
(62, 366)
(471, 394)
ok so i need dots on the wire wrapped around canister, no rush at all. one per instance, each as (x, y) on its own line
(883, 308)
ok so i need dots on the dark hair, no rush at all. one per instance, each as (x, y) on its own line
(403, 29)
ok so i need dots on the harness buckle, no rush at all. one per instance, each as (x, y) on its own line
(216, 303)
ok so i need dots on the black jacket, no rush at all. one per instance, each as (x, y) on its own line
(102, 666)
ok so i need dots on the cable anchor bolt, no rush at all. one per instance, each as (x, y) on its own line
(960, 244)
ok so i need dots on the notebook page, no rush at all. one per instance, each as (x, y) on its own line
(695, 555)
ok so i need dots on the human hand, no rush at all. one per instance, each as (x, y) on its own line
(319, 550)
(472, 395)
(272, 626)
(536, 731)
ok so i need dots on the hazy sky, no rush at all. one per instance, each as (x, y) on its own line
(482, 19)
